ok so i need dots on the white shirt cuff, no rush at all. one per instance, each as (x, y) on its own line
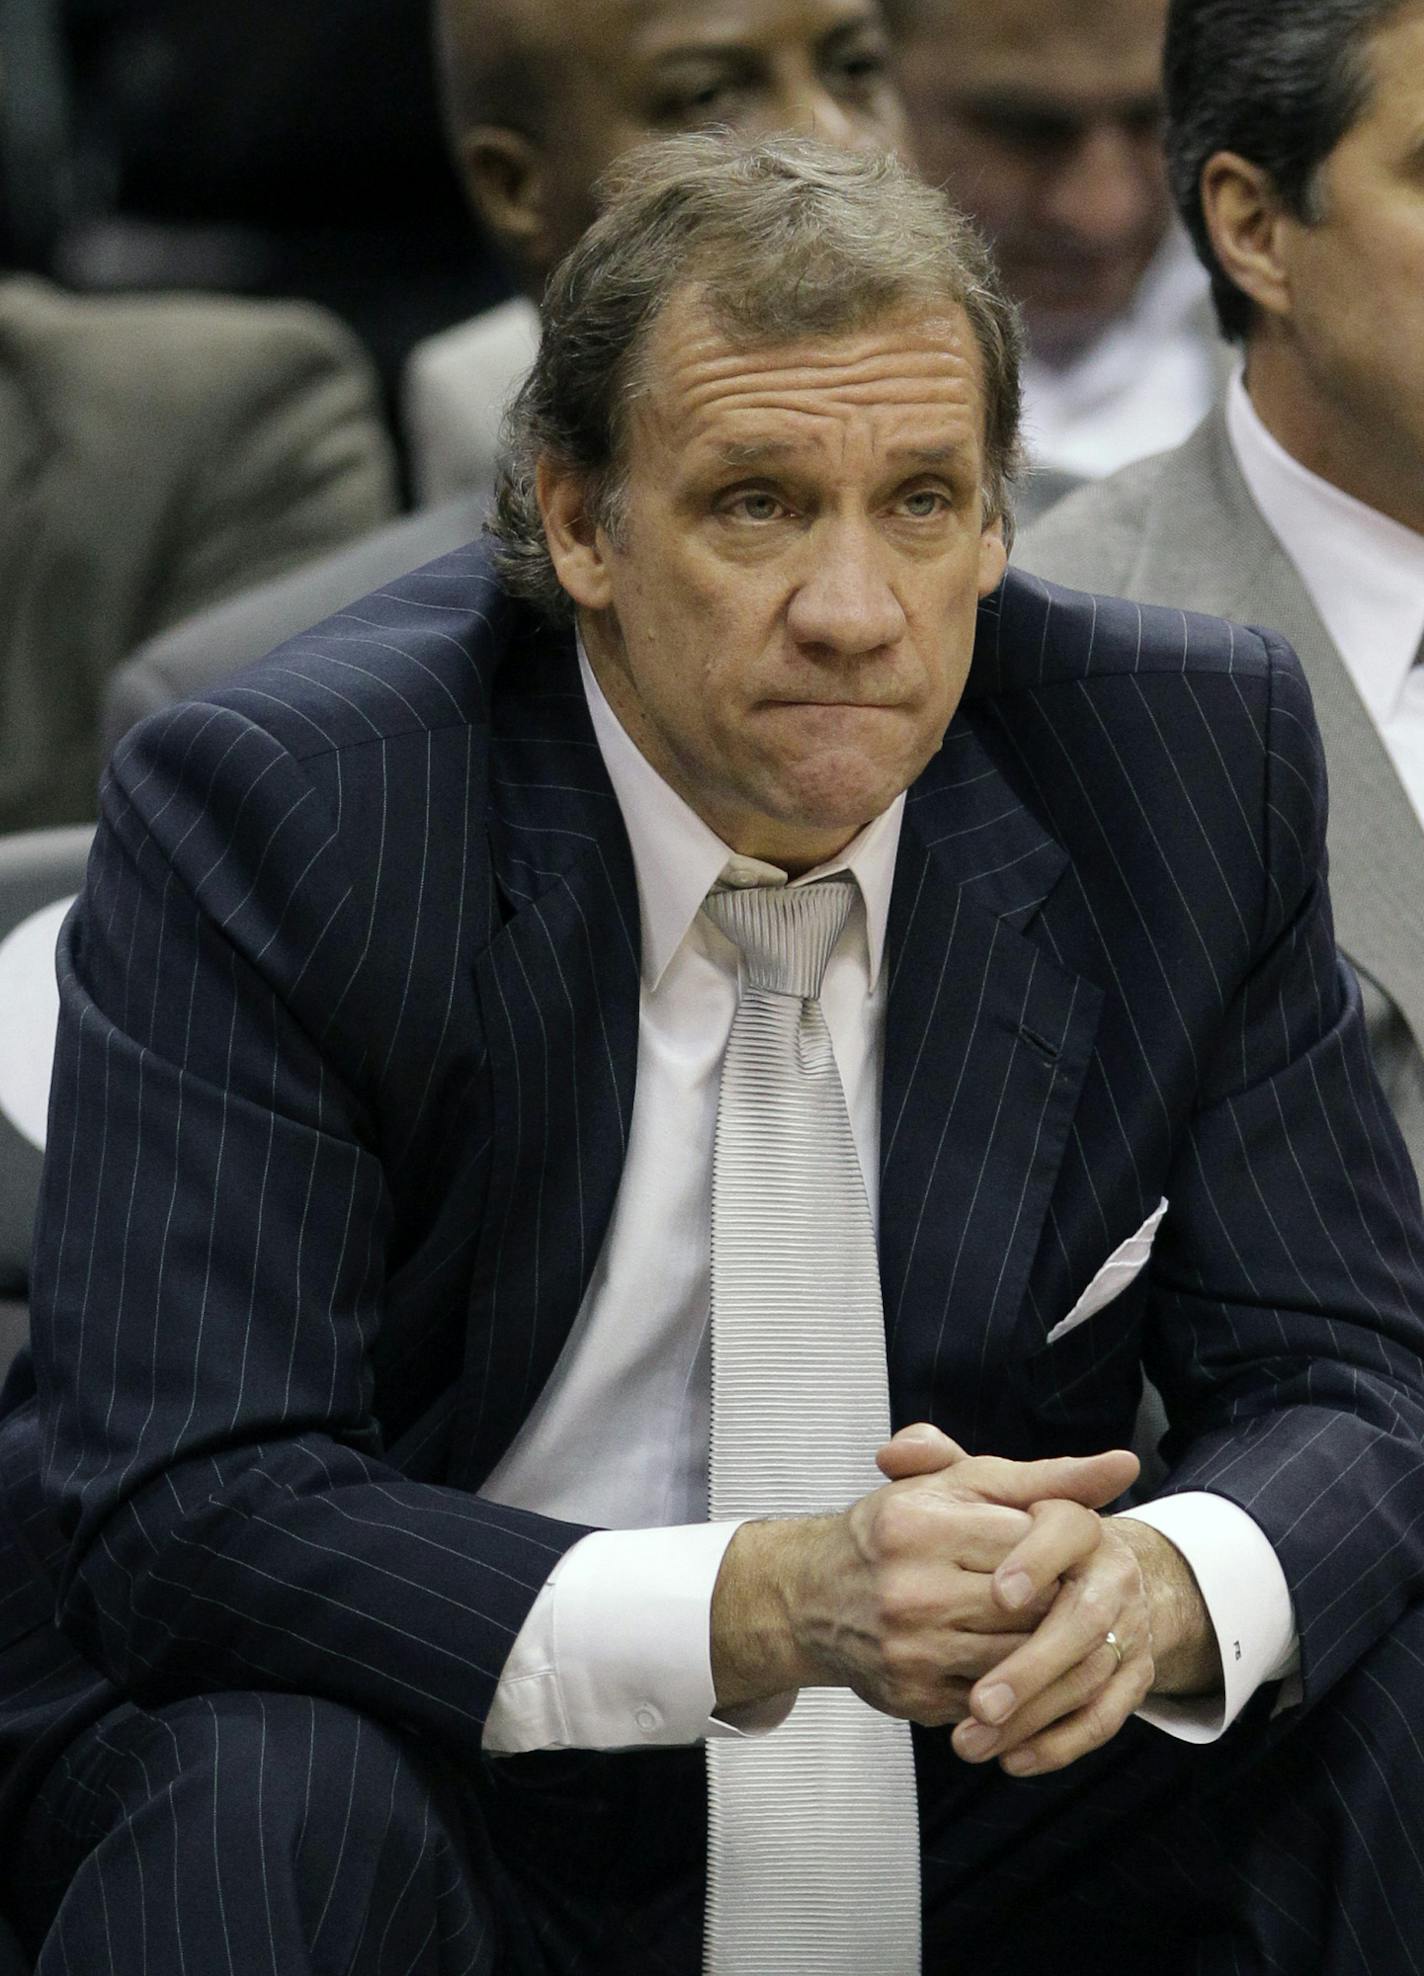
(616, 1650)
(1247, 1601)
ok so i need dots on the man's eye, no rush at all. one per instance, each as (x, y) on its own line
(1032, 132)
(925, 503)
(697, 101)
(864, 70)
(756, 507)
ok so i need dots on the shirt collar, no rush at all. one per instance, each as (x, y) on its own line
(1364, 572)
(677, 859)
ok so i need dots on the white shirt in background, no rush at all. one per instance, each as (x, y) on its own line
(454, 395)
(1145, 384)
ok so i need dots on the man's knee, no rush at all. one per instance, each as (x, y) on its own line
(279, 1824)
(312, 1775)
(300, 1773)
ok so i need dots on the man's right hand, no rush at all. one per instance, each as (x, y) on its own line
(894, 1596)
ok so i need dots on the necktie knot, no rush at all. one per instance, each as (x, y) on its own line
(786, 933)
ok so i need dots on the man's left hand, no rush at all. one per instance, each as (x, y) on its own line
(1065, 1691)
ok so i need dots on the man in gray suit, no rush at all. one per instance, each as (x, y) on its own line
(156, 454)
(1293, 136)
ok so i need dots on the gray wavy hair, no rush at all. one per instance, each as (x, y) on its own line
(787, 238)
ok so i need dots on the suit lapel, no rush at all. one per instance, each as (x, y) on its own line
(1206, 531)
(558, 995)
(987, 1044)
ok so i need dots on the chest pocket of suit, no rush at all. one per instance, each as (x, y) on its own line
(1086, 1371)
(1092, 1378)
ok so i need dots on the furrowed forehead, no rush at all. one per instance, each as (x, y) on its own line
(714, 393)
(494, 37)
(658, 23)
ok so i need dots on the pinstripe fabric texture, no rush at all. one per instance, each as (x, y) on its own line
(812, 1841)
(232, 1785)
(342, 1093)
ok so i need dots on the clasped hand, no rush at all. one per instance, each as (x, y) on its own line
(980, 1592)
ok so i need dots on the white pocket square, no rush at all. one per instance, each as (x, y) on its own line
(1113, 1278)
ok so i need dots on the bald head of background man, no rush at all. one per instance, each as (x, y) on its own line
(1044, 121)
(542, 95)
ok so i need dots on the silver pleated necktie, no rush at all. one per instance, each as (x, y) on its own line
(813, 1836)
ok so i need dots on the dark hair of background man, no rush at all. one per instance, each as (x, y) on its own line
(1280, 85)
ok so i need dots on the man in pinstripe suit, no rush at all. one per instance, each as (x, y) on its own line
(369, 1287)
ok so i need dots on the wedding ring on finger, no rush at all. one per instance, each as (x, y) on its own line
(1111, 1640)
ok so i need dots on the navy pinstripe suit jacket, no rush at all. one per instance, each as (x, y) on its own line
(344, 1084)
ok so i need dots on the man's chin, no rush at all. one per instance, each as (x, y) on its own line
(839, 798)
(1061, 326)
(1059, 337)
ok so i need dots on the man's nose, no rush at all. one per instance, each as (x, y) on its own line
(1106, 188)
(845, 604)
(831, 121)
(804, 103)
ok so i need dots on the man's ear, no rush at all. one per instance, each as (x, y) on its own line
(577, 547)
(1247, 223)
(993, 556)
(506, 182)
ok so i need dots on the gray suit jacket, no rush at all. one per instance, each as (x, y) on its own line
(155, 455)
(1182, 529)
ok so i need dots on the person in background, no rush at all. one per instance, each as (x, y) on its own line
(156, 454)
(542, 98)
(543, 95)
(1294, 139)
(1044, 123)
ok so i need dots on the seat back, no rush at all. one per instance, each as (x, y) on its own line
(191, 657)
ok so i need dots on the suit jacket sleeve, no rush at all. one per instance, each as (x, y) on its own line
(1284, 1327)
(214, 1262)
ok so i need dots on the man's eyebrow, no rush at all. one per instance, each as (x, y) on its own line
(753, 452)
(1005, 100)
(741, 454)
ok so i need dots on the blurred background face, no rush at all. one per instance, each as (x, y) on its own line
(1043, 118)
(611, 73)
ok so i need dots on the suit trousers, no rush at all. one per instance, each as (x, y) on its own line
(250, 1832)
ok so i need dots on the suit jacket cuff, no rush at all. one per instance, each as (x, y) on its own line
(1247, 1601)
(615, 1652)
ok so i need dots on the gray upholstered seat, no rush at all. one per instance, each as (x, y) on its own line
(190, 657)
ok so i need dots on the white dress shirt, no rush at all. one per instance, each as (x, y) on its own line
(455, 392)
(29, 995)
(615, 1652)
(1364, 573)
(1148, 380)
